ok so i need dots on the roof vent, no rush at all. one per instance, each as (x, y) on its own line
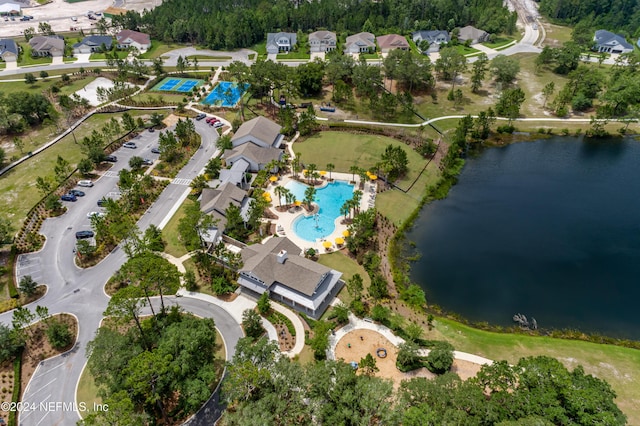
(282, 256)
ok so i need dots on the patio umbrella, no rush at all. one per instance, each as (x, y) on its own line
(323, 172)
(273, 178)
(298, 203)
(345, 233)
(373, 177)
(327, 244)
(339, 241)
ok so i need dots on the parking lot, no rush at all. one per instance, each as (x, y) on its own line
(58, 14)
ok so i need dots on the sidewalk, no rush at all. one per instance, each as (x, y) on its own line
(356, 323)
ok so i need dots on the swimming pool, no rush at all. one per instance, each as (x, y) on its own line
(330, 199)
(225, 94)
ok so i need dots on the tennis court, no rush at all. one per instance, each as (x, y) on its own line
(181, 85)
(225, 94)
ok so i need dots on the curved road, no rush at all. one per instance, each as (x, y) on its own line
(80, 291)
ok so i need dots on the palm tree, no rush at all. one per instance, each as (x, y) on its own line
(330, 167)
(354, 169)
(311, 172)
(345, 209)
(357, 197)
(289, 196)
(309, 195)
(280, 192)
(296, 165)
(315, 176)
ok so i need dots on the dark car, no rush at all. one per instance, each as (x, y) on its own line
(102, 202)
(147, 162)
(84, 234)
(111, 158)
(155, 150)
(151, 130)
(68, 197)
(200, 116)
(76, 192)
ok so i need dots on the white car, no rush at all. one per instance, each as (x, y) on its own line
(74, 19)
(85, 183)
(96, 214)
(218, 124)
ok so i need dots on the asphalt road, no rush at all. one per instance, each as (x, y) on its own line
(80, 291)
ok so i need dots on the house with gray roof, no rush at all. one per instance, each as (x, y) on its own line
(257, 157)
(277, 268)
(93, 43)
(8, 50)
(128, 39)
(322, 41)
(608, 42)
(215, 203)
(472, 33)
(280, 42)
(390, 42)
(260, 131)
(47, 46)
(360, 43)
(430, 41)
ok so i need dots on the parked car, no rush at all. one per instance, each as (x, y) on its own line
(102, 202)
(85, 183)
(74, 19)
(131, 145)
(76, 192)
(68, 197)
(24, 18)
(151, 130)
(147, 162)
(218, 124)
(155, 150)
(111, 158)
(92, 18)
(92, 214)
(84, 234)
(200, 116)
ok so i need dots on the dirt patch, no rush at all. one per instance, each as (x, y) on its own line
(171, 120)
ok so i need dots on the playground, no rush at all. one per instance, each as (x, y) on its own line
(356, 344)
(180, 85)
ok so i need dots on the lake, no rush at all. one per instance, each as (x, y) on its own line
(549, 229)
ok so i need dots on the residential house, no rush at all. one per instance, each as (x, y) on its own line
(473, 34)
(8, 50)
(390, 42)
(434, 39)
(47, 46)
(257, 157)
(322, 41)
(215, 203)
(360, 43)
(280, 42)
(260, 131)
(127, 39)
(277, 267)
(93, 43)
(608, 42)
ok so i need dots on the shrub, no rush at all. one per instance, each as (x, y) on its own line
(440, 358)
(59, 335)
(507, 128)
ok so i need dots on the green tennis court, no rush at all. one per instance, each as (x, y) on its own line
(174, 84)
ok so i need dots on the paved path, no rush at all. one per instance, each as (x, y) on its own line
(356, 323)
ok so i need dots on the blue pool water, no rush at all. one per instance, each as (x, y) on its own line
(330, 199)
(225, 94)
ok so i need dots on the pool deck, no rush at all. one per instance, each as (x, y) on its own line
(284, 223)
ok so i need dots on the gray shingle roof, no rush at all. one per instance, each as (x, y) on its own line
(273, 37)
(254, 153)
(297, 273)
(609, 39)
(471, 33)
(220, 198)
(95, 41)
(8, 45)
(46, 43)
(259, 128)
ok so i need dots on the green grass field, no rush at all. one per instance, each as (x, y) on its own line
(346, 149)
(17, 187)
(349, 267)
(122, 54)
(499, 42)
(556, 35)
(170, 234)
(87, 392)
(293, 55)
(620, 367)
(159, 48)
(26, 59)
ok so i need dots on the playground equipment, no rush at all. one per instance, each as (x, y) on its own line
(381, 352)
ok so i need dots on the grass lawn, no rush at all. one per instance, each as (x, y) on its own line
(42, 85)
(346, 149)
(70, 60)
(122, 54)
(293, 55)
(370, 56)
(17, 187)
(26, 59)
(170, 232)
(620, 367)
(556, 35)
(349, 267)
(158, 48)
(466, 50)
(499, 42)
(306, 356)
(169, 98)
(87, 392)
(260, 48)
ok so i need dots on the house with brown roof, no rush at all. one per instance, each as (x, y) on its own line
(260, 131)
(216, 201)
(390, 42)
(322, 41)
(473, 34)
(277, 268)
(360, 43)
(257, 157)
(127, 39)
(47, 46)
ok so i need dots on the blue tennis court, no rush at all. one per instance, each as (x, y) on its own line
(225, 94)
(182, 85)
